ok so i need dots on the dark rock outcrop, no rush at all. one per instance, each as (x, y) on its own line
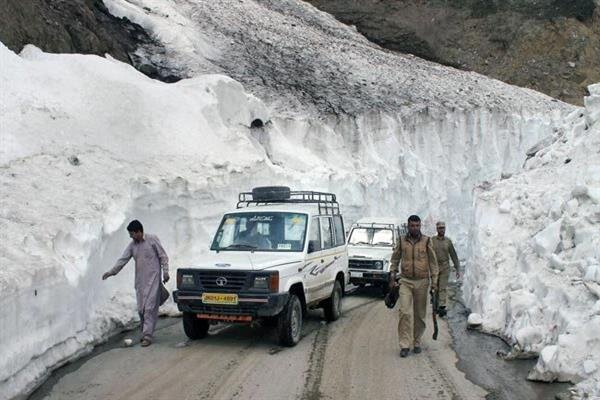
(75, 26)
(552, 46)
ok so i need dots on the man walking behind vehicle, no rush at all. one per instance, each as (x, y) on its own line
(444, 250)
(149, 257)
(418, 267)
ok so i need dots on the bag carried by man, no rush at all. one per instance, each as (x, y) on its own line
(164, 294)
(392, 297)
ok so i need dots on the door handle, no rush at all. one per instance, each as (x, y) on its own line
(322, 261)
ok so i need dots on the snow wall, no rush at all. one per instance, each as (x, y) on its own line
(534, 271)
(89, 143)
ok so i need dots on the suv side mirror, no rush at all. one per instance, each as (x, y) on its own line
(312, 246)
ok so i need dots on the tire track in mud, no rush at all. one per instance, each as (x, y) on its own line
(213, 385)
(316, 361)
(441, 373)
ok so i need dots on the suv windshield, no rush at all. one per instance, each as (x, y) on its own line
(371, 236)
(261, 231)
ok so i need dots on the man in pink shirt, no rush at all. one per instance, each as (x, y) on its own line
(149, 257)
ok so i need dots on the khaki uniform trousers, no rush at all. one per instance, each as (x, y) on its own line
(413, 311)
(443, 284)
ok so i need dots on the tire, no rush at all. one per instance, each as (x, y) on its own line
(333, 305)
(193, 327)
(289, 325)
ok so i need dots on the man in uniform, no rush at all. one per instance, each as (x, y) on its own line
(149, 257)
(418, 268)
(444, 251)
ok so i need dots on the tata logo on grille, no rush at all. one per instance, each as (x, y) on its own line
(221, 281)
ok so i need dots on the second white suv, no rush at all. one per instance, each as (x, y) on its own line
(371, 242)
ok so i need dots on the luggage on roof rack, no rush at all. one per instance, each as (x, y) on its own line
(264, 195)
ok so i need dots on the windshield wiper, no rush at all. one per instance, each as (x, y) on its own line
(383, 243)
(360, 243)
(240, 246)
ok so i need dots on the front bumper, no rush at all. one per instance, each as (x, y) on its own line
(249, 304)
(368, 276)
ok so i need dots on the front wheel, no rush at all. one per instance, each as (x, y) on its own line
(194, 328)
(333, 305)
(289, 325)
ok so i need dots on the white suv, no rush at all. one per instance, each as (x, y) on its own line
(371, 242)
(279, 253)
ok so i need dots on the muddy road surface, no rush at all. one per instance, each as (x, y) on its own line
(356, 357)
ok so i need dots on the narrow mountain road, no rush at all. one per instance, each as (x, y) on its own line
(356, 357)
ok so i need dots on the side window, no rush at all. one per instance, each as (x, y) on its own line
(340, 238)
(326, 233)
(314, 236)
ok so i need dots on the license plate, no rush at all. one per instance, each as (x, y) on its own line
(356, 274)
(220, 298)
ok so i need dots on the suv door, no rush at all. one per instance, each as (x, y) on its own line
(314, 260)
(333, 253)
(341, 252)
(327, 260)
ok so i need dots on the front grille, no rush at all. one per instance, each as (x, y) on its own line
(361, 264)
(236, 281)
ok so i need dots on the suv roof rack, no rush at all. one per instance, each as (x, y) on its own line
(326, 202)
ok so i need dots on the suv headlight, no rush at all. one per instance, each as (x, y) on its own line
(378, 265)
(187, 280)
(266, 282)
(261, 282)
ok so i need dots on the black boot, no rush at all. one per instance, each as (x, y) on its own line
(442, 311)
(404, 352)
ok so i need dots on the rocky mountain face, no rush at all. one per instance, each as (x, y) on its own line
(552, 46)
(75, 26)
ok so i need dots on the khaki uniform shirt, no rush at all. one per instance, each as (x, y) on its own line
(444, 251)
(416, 258)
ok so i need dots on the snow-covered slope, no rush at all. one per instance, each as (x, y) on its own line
(89, 143)
(353, 105)
(300, 60)
(535, 274)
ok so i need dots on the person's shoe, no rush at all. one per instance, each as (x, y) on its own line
(442, 311)
(417, 350)
(404, 352)
(146, 342)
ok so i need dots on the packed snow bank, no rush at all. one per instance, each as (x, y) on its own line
(89, 143)
(534, 273)
(342, 102)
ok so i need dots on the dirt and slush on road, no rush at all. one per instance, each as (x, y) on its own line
(356, 357)
(478, 358)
